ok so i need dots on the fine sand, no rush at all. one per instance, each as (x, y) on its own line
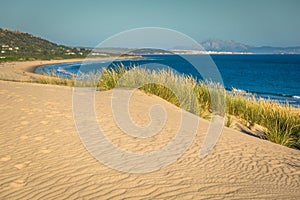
(42, 156)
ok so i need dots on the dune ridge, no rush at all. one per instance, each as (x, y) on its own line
(42, 156)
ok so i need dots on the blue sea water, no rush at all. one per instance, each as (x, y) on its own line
(269, 76)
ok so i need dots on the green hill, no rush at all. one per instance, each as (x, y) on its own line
(16, 45)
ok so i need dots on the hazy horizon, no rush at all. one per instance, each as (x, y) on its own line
(74, 23)
(174, 47)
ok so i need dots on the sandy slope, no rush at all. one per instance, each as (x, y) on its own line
(42, 157)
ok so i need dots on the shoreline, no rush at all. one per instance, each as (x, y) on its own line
(23, 71)
(278, 98)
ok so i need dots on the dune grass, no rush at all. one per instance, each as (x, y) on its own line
(54, 80)
(177, 90)
(282, 122)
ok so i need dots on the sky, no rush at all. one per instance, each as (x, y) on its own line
(87, 23)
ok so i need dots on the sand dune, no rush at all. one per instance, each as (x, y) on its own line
(42, 156)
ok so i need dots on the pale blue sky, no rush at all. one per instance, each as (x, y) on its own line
(86, 23)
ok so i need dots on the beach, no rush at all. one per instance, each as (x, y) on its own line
(272, 77)
(24, 71)
(42, 156)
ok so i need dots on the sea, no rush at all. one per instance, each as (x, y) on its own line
(275, 76)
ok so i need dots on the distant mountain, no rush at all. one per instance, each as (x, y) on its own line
(212, 45)
(232, 46)
(16, 45)
(221, 45)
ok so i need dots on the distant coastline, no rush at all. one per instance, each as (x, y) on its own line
(21, 46)
(251, 73)
(195, 52)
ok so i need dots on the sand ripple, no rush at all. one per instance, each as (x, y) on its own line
(42, 157)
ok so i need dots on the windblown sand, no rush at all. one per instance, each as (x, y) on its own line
(42, 156)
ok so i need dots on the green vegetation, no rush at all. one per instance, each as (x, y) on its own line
(19, 46)
(282, 123)
(178, 90)
(229, 121)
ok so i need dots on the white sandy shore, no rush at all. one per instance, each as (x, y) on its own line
(42, 157)
(23, 71)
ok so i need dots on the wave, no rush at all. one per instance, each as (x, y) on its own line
(64, 71)
(264, 93)
(293, 100)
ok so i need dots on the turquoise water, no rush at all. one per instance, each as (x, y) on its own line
(268, 76)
